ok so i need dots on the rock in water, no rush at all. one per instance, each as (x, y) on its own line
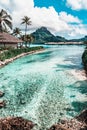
(15, 123)
(1, 94)
(2, 104)
(77, 123)
(82, 117)
(58, 127)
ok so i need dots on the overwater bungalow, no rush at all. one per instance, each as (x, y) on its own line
(7, 40)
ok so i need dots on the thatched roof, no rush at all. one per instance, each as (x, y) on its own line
(7, 38)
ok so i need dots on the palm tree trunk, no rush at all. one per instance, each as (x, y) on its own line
(26, 34)
(25, 29)
(29, 44)
(26, 44)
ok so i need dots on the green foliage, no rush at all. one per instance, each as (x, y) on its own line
(85, 42)
(14, 52)
(5, 48)
(5, 21)
(17, 32)
(84, 59)
(27, 22)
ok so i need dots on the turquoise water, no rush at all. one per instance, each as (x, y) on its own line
(41, 87)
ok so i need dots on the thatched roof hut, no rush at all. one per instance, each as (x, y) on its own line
(8, 40)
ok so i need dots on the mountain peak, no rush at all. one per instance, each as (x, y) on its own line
(43, 28)
(43, 35)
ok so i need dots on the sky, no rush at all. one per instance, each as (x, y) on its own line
(67, 18)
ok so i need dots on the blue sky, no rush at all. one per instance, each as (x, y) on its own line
(60, 5)
(67, 18)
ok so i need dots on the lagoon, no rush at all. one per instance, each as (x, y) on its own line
(42, 88)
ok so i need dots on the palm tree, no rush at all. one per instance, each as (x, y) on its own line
(5, 20)
(17, 32)
(26, 21)
(30, 39)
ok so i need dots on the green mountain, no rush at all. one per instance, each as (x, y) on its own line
(43, 35)
(84, 39)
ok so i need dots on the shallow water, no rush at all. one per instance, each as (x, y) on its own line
(41, 87)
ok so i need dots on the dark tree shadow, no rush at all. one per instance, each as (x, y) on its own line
(75, 63)
(78, 106)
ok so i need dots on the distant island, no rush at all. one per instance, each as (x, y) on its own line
(43, 35)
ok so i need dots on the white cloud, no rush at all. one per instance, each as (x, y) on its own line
(77, 31)
(77, 4)
(5, 2)
(23, 5)
(68, 18)
(61, 24)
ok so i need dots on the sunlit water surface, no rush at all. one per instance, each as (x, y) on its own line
(41, 87)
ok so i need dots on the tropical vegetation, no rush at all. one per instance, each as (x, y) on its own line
(5, 24)
(17, 32)
(84, 59)
(14, 52)
(27, 22)
(29, 40)
(5, 21)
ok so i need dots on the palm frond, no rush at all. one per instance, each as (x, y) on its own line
(5, 28)
(23, 22)
(7, 16)
(9, 24)
(5, 20)
(17, 31)
(4, 25)
(29, 22)
(3, 12)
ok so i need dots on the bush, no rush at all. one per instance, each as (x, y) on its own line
(85, 42)
(84, 59)
(5, 48)
(14, 52)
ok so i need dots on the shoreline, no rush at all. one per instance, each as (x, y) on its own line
(64, 43)
(7, 61)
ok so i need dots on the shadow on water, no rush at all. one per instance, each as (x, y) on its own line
(41, 57)
(28, 88)
(75, 60)
(74, 63)
(78, 105)
(66, 66)
(81, 86)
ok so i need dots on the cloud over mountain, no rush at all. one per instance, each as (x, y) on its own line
(59, 23)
